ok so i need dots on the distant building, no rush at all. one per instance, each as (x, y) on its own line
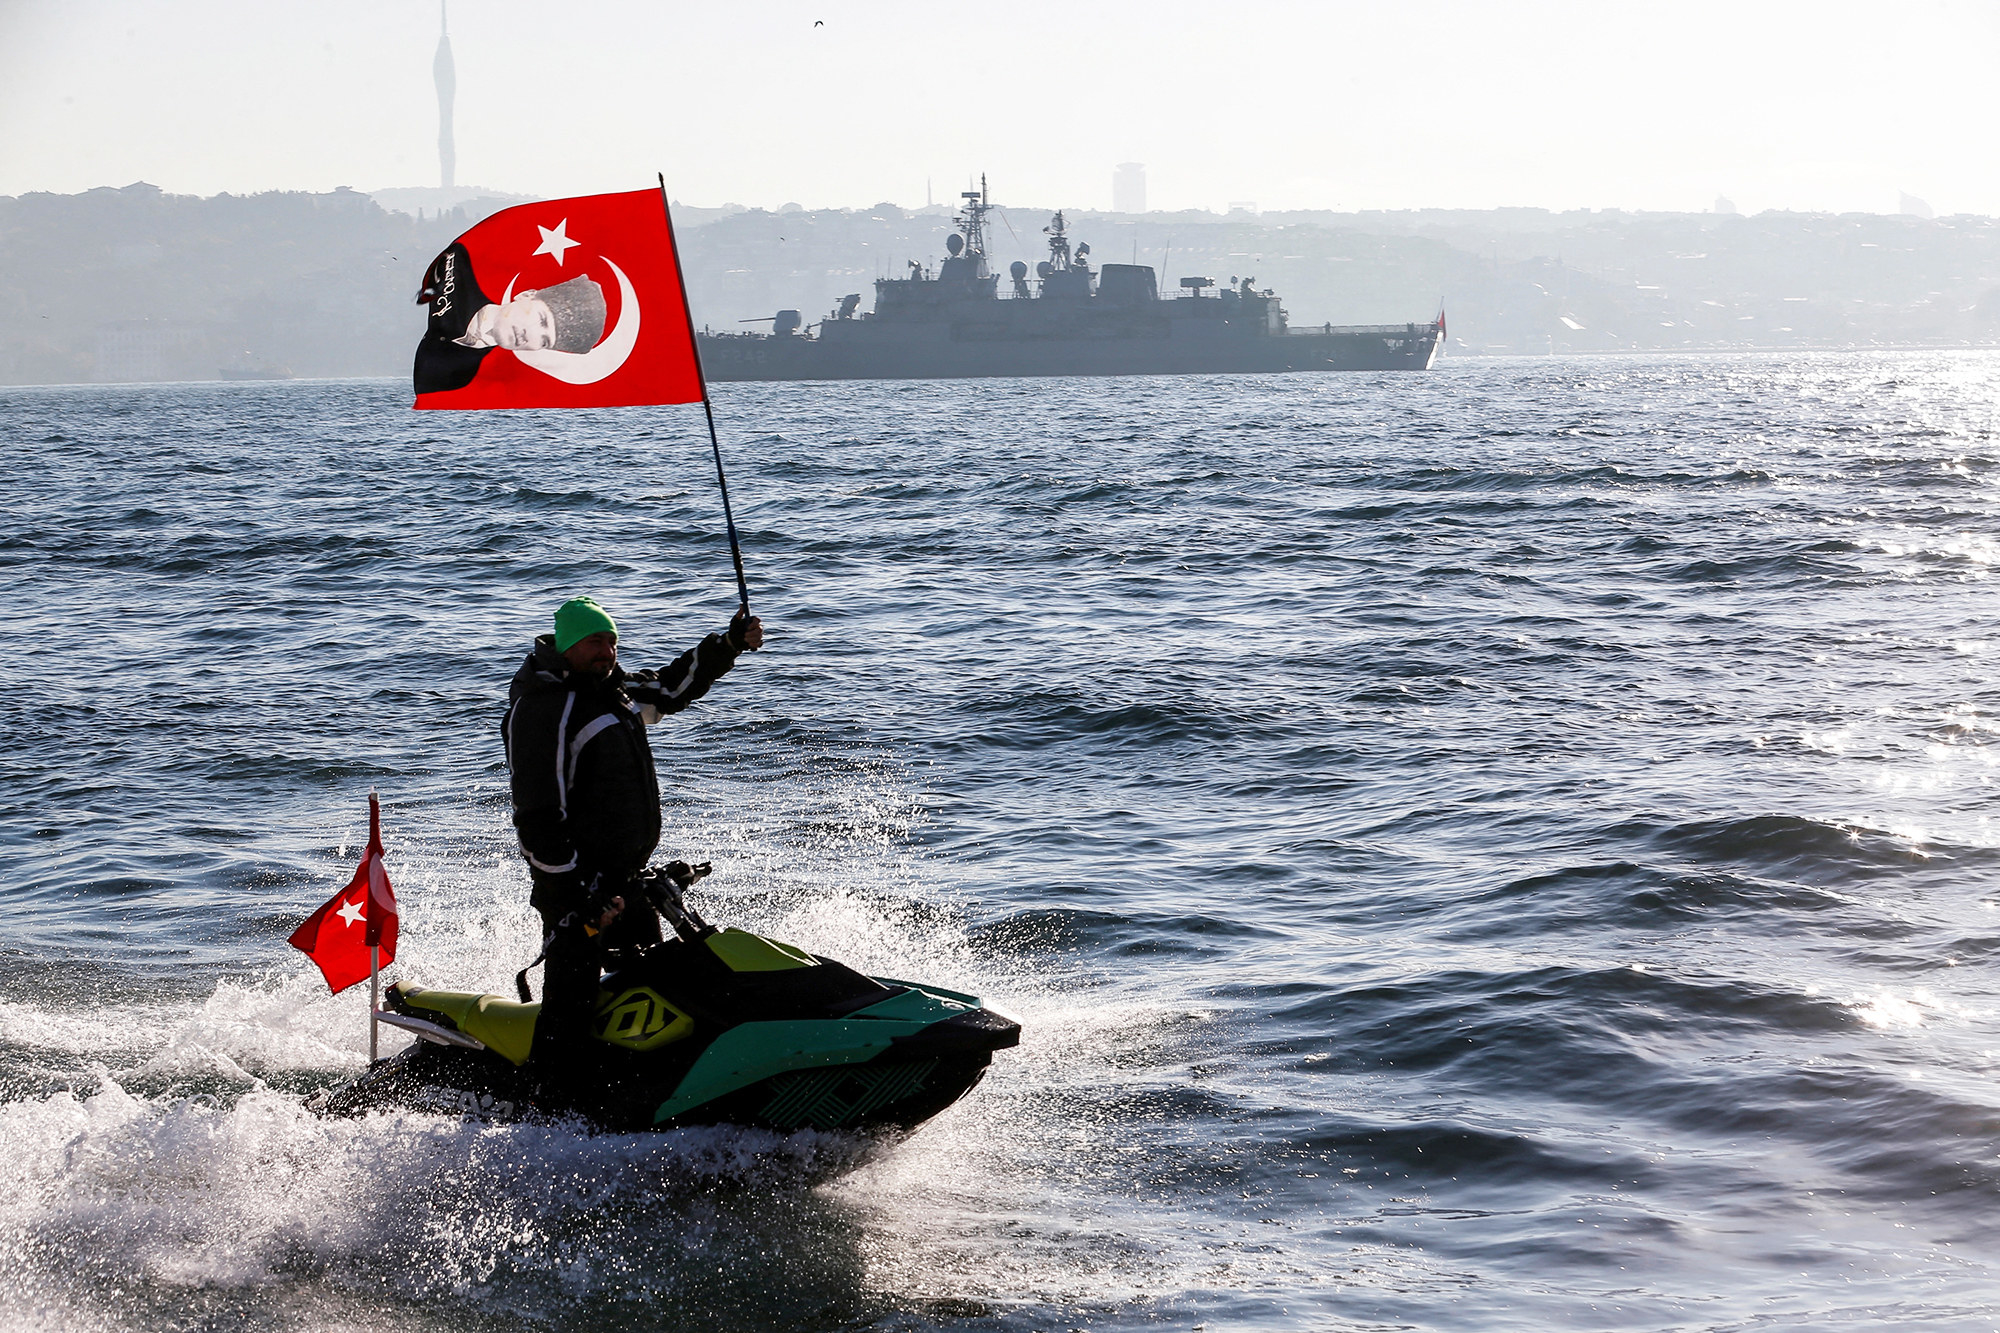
(1912, 207)
(1243, 207)
(1128, 188)
(1724, 204)
(447, 85)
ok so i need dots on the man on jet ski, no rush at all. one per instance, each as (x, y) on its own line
(587, 799)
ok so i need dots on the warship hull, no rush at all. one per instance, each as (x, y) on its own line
(942, 352)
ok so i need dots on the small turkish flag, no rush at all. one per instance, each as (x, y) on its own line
(361, 916)
(569, 303)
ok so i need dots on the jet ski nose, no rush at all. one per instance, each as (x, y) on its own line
(969, 1032)
(1004, 1032)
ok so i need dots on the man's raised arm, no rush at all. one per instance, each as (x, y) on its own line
(689, 676)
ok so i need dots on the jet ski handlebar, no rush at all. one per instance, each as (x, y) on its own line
(664, 885)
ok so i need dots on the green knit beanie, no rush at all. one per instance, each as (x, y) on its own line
(578, 619)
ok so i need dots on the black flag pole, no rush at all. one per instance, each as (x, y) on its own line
(694, 344)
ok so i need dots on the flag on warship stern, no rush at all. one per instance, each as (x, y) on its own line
(361, 918)
(568, 303)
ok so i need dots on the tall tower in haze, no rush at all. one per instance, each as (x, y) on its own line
(447, 84)
(1128, 188)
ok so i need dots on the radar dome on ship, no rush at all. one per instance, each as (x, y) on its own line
(1017, 270)
(954, 243)
(1043, 269)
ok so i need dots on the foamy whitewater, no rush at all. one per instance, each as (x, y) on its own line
(1506, 848)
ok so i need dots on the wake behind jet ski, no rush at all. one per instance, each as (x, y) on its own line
(708, 1027)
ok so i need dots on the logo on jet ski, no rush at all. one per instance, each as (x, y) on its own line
(641, 1020)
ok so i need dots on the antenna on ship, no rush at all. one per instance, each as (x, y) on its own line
(972, 226)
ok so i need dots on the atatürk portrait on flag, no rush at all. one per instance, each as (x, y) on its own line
(465, 324)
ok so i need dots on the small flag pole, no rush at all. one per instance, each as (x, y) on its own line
(375, 947)
(694, 345)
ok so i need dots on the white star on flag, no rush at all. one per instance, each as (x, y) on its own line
(554, 242)
(351, 912)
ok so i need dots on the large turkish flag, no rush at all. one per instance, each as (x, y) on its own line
(569, 303)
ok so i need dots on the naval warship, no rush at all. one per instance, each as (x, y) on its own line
(954, 321)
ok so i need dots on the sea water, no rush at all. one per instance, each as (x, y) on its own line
(1505, 848)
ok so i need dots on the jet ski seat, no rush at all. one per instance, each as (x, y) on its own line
(504, 1026)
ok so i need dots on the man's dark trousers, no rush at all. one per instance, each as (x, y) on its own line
(570, 972)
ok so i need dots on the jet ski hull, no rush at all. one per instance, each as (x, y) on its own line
(866, 1099)
(729, 1029)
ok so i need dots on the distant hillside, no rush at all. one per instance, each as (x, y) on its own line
(132, 284)
(135, 284)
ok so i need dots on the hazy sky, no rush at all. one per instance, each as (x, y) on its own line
(1391, 104)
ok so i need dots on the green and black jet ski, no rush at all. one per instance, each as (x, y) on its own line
(708, 1027)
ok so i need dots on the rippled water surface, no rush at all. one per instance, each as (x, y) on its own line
(1507, 848)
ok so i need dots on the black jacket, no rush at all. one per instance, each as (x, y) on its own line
(586, 797)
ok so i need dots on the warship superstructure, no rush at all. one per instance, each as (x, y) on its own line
(1068, 319)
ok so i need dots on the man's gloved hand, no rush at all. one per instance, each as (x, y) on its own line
(746, 633)
(602, 907)
(580, 900)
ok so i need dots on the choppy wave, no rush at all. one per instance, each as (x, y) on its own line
(1505, 848)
